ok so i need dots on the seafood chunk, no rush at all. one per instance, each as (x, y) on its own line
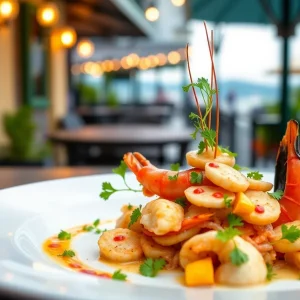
(285, 246)
(226, 177)
(120, 245)
(259, 185)
(162, 216)
(267, 209)
(199, 160)
(208, 196)
(253, 271)
(293, 258)
(153, 250)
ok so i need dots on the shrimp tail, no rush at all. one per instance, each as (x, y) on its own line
(136, 161)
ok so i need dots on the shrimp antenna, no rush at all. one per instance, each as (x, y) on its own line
(217, 93)
(211, 75)
(194, 92)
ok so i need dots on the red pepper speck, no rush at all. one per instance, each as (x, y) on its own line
(54, 245)
(89, 272)
(218, 195)
(104, 276)
(119, 238)
(213, 165)
(74, 266)
(198, 191)
(259, 209)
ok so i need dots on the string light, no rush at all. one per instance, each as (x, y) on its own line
(47, 14)
(162, 59)
(9, 9)
(173, 57)
(85, 48)
(178, 2)
(68, 37)
(152, 13)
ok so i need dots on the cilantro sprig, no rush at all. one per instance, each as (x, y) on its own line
(181, 201)
(292, 233)
(108, 189)
(150, 267)
(63, 235)
(240, 168)
(94, 227)
(227, 201)
(270, 272)
(174, 167)
(68, 253)
(227, 151)
(118, 275)
(255, 175)
(135, 216)
(238, 257)
(276, 195)
(196, 177)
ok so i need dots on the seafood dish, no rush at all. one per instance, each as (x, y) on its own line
(217, 222)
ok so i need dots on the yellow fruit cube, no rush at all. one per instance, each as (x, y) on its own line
(200, 272)
(242, 205)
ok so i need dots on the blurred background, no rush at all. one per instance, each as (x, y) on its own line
(84, 81)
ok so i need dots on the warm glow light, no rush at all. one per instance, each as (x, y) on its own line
(95, 70)
(178, 2)
(116, 65)
(145, 63)
(107, 66)
(154, 61)
(85, 48)
(47, 14)
(9, 9)
(68, 37)
(152, 14)
(87, 67)
(135, 59)
(174, 57)
(162, 59)
(124, 63)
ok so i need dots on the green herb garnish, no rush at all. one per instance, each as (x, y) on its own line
(291, 233)
(63, 235)
(255, 175)
(238, 257)
(118, 275)
(135, 216)
(181, 201)
(150, 267)
(276, 195)
(68, 253)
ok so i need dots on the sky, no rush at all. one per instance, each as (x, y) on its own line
(247, 52)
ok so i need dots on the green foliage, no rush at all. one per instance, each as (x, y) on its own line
(88, 94)
(112, 99)
(20, 128)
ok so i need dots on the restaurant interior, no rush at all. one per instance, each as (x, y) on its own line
(84, 81)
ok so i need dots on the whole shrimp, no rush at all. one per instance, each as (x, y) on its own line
(157, 181)
(287, 174)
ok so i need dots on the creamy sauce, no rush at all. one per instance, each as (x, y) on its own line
(54, 247)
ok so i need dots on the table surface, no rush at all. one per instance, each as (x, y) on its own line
(123, 134)
(10, 177)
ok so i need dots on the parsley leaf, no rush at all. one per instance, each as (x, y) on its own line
(68, 253)
(196, 177)
(135, 216)
(209, 135)
(118, 275)
(226, 150)
(239, 168)
(255, 175)
(173, 178)
(175, 167)
(87, 228)
(227, 234)
(108, 189)
(129, 207)
(150, 267)
(270, 273)
(181, 201)
(63, 235)
(276, 195)
(121, 169)
(238, 257)
(96, 222)
(234, 220)
(98, 231)
(201, 147)
(227, 201)
(291, 234)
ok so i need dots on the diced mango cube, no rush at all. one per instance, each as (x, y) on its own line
(242, 205)
(200, 272)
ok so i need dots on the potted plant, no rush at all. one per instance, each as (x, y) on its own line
(22, 150)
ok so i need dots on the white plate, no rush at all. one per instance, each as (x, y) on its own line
(31, 213)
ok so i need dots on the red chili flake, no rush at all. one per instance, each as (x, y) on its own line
(89, 272)
(218, 195)
(198, 191)
(213, 165)
(54, 245)
(75, 266)
(104, 276)
(119, 238)
(259, 209)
